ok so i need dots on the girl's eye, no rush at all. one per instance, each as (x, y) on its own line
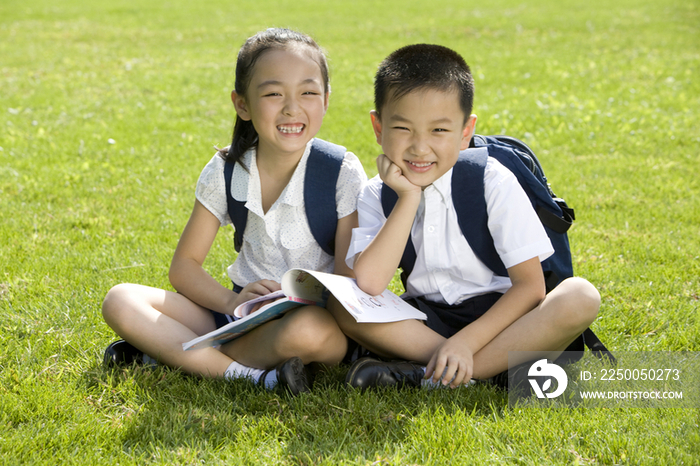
(401, 128)
(311, 93)
(440, 130)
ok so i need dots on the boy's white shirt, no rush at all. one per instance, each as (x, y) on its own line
(280, 239)
(446, 268)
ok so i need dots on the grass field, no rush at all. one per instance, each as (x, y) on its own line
(109, 110)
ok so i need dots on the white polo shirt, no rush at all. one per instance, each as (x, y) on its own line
(446, 268)
(280, 239)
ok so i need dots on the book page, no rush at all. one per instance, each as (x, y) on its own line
(386, 307)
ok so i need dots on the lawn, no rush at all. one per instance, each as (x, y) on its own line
(109, 110)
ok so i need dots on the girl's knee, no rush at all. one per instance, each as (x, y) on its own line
(310, 332)
(117, 303)
(114, 300)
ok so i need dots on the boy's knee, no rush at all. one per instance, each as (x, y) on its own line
(579, 302)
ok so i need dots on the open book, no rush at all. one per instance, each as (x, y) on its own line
(301, 287)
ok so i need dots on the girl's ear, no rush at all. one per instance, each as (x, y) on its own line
(240, 105)
(376, 125)
(468, 132)
(326, 101)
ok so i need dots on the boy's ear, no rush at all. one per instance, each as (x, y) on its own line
(468, 132)
(376, 125)
(326, 101)
(240, 105)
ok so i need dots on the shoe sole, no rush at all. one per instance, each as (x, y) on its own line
(299, 380)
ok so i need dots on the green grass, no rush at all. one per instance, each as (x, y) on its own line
(109, 110)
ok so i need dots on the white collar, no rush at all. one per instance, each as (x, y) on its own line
(246, 184)
(443, 186)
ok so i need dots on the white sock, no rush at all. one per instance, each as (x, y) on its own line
(236, 370)
(271, 379)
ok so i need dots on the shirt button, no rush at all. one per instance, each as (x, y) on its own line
(431, 229)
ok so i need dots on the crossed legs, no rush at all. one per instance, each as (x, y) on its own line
(157, 322)
(550, 327)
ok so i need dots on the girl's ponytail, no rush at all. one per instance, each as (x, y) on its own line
(244, 137)
(244, 134)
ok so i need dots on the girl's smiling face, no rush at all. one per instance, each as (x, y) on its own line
(286, 101)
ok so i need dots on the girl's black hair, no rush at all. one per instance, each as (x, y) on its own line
(244, 134)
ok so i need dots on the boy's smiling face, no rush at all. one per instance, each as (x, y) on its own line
(423, 132)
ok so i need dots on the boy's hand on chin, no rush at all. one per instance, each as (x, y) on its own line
(392, 175)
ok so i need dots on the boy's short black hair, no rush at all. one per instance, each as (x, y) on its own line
(423, 66)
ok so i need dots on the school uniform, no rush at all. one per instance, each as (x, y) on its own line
(279, 239)
(448, 281)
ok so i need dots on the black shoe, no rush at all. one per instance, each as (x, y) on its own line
(516, 380)
(121, 353)
(292, 375)
(368, 372)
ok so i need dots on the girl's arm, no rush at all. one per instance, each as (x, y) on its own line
(343, 235)
(191, 280)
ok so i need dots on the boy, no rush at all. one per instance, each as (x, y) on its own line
(423, 119)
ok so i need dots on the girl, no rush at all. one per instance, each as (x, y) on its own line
(281, 95)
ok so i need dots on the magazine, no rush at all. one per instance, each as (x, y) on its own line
(303, 287)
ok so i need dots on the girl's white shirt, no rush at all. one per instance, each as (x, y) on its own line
(280, 239)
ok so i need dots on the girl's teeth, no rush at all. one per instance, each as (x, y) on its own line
(421, 165)
(290, 129)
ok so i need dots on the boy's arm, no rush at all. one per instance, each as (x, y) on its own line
(457, 352)
(376, 265)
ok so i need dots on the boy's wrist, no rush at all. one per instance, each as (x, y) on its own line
(408, 200)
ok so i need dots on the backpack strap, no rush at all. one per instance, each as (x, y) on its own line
(237, 210)
(469, 201)
(322, 171)
(320, 179)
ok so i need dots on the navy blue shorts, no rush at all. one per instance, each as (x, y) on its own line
(447, 319)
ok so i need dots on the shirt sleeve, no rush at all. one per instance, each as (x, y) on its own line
(516, 229)
(371, 218)
(211, 189)
(351, 180)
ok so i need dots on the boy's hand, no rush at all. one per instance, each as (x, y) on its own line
(392, 175)
(452, 362)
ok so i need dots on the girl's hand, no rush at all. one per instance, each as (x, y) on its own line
(255, 290)
(452, 362)
(391, 174)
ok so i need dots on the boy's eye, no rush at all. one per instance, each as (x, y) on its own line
(440, 130)
(311, 93)
(401, 128)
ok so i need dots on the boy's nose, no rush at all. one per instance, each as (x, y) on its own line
(419, 146)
